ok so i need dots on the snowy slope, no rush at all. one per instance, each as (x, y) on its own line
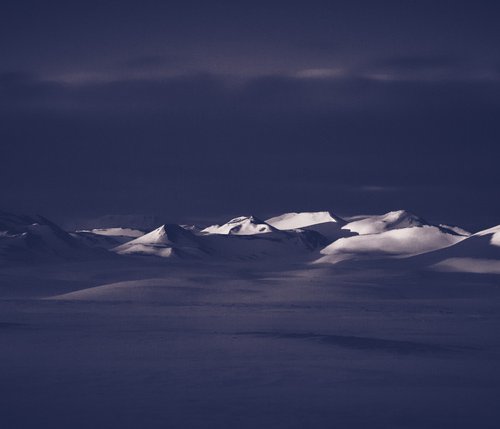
(479, 253)
(243, 225)
(301, 237)
(493, 234)
(36, 239)
(166, 241)
(271, 246)
(248, 238)
(232, 241)
(325, 223)
(302, 220)
(97, 240)
(396, 243)
(380, 223)
(107, 237)
(455, 229)
(118, 232)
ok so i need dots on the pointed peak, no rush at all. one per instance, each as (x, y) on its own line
(241, 219)
(241, 225)
(395, 219)
(401, 214)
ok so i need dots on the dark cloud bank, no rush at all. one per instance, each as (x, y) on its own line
(165, 133)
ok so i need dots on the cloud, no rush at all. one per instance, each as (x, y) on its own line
(315, 92)
(427, 68)
(211, 139)
(320, 73)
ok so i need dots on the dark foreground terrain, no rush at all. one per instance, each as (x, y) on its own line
(147, 344)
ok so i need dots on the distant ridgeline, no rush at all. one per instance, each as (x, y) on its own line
(305, 237)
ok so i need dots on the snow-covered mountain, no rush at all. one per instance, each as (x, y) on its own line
(36, 239)
(107, 237)
(118, 232)
(283, 245)
(396, 234)
(381, 223)
(396, 243)
(243, 225)
(479, 253)
(229, 242)
(320, 237)
(397, 219)
(325, 223)
(303, 219)
(166, 241)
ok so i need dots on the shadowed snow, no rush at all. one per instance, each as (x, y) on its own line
(243, 225)
(469, 265)
(386, 222)
(396, 243)
(303, 219)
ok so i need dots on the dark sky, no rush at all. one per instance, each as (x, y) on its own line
(195, 109)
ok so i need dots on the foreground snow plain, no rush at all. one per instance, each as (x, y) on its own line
(149, 342)
(105, 345)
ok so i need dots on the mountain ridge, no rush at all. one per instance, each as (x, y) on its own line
(323, 238)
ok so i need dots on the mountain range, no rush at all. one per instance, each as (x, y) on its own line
(317, 238)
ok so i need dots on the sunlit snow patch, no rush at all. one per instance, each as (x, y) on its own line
(243, 225)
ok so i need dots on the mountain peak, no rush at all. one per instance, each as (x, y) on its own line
(163, 234)
(494, 232)
(299, 220)
(242, 225)
(165, 241)
(395, 219)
